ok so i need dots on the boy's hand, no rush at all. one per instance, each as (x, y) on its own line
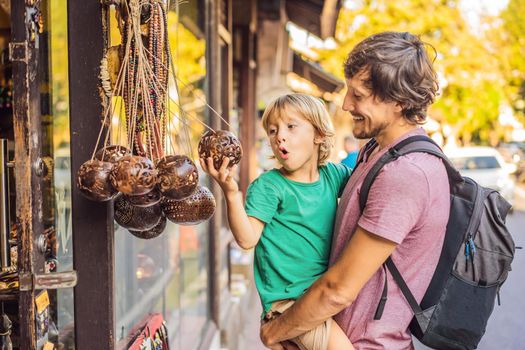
(223, 175)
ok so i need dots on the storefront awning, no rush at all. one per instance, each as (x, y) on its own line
(317, 75)
(316, 16)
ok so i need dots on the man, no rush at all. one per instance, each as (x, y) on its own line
(390, 83)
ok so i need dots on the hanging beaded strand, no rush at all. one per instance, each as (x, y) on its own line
(157, 46)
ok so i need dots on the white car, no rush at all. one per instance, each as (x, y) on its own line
(486, 166)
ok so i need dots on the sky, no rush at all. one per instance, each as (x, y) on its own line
(471, 9)
(491, 6)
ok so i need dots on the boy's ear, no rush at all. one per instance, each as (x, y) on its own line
(318, 139)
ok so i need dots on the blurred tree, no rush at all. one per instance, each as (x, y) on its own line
(471, 82)
(511, 52)
(58, 75)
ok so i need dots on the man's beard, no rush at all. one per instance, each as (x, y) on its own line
(372, 133)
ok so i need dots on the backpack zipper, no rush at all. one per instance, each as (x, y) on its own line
(470, 247)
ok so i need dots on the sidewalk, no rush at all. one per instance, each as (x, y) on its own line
(250, 317)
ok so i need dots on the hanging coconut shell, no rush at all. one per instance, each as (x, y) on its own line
(93, 180)
(134, 175)
(220, 144)
(136, 218)
(154, 232)
(145, 200)
(177, 176)
(193, 210)
(112, 153)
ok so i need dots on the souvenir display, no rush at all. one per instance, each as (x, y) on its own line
(136, 218)
(177, 176)
(133, 175)
(93, 180)
(5, 331)
(156, 184)
(151, 334)
(152, 197)
(152, 233)
(112, 153)
(42, 318)
(193, 210)
(218, 145)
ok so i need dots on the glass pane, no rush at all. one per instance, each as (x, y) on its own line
(473, 163)
(168, 274)
(56, 154)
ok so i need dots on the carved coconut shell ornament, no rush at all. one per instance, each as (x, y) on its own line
(152, 233)
(136, 218)
(193, 210)
(177, 176)
(112, 153)
(145, 200)
(93, 180)
(220, 144)
(134, 175)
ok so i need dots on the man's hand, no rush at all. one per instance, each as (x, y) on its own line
(223, 175)
(263, 334)
(286, 345)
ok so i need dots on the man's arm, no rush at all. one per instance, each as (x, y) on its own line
(334, 291)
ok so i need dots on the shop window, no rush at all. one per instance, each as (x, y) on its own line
(169, 274)
(56, 155)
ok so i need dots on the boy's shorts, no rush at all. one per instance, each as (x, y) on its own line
(315, 339)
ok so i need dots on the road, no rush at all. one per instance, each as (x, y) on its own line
(506, 327)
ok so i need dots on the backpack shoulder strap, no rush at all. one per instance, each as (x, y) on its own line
(423, 143)
(413, 144)
(366, 148)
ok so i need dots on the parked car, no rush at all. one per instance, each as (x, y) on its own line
(511, 153)
(486, 166)
(514, 152)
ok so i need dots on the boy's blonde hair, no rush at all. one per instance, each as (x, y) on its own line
(313, 110)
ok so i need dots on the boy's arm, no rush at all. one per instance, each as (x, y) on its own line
(246, 229)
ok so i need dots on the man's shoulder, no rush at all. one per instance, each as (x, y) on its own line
(420, 174)
(417, 165)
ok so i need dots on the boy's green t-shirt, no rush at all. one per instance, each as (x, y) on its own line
(299, 217)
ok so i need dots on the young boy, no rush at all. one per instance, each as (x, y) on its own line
(290, 211)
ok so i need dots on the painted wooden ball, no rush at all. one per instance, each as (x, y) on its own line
(177, 176)
(134, 175)
(93, 180)
(193, 210)
(145, 200)
(136, 218)
(220, 144)
(152, 233)
(112, 153)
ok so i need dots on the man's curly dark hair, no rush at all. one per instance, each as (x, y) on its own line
(397, 69)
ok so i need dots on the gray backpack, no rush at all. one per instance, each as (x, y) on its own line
(474, 262)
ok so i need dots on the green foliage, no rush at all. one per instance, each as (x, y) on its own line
(471, 78)
(58, 58)
(511, 51)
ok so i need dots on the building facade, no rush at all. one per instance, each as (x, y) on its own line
(71, 277)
